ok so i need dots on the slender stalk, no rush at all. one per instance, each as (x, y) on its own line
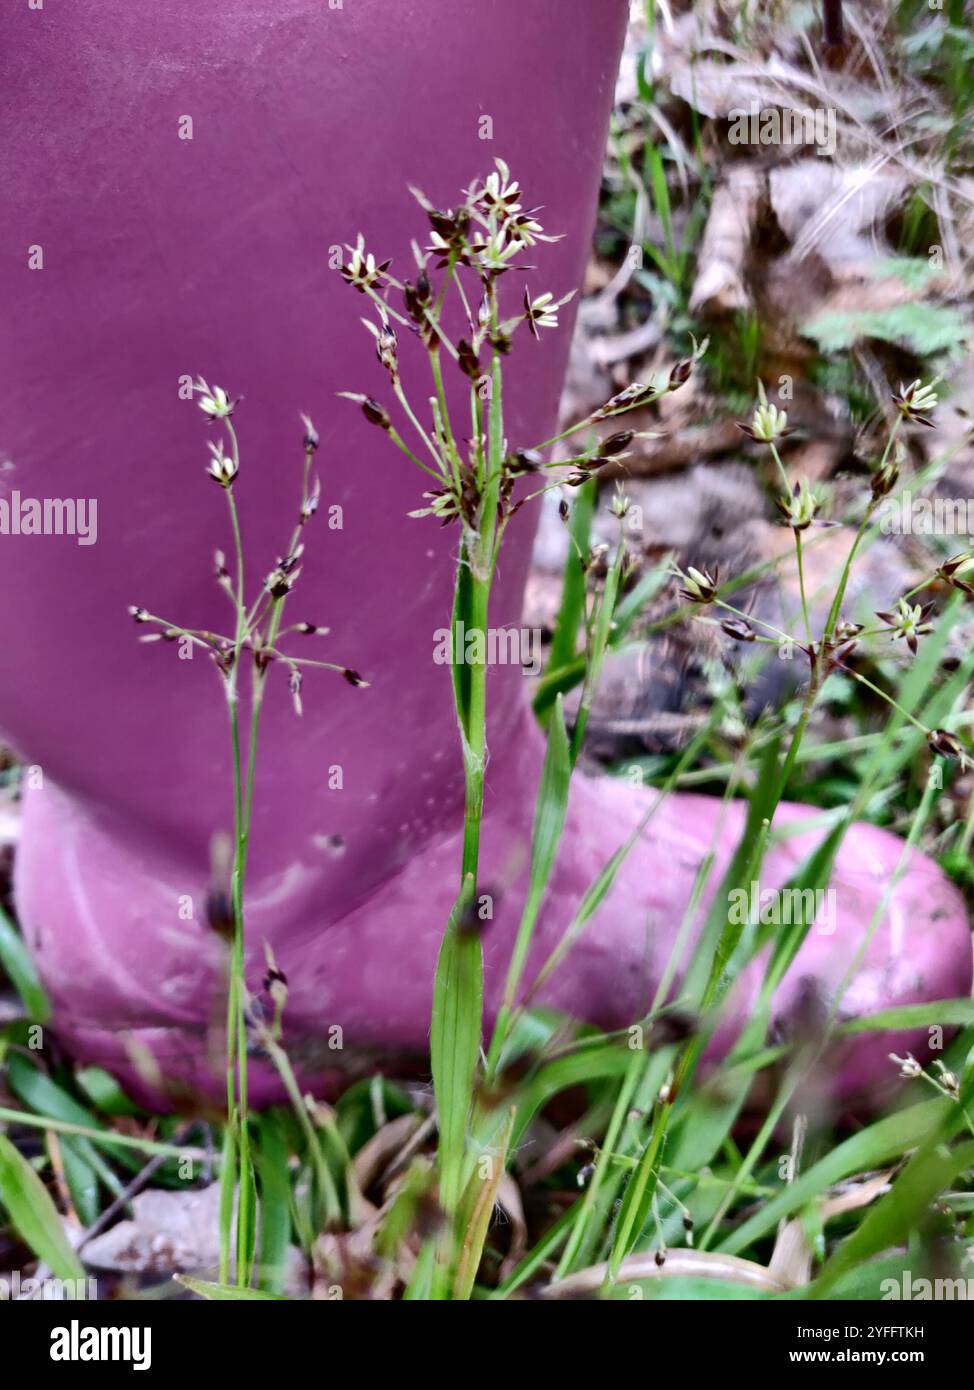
(237, 1138)
(243, 800)
(801, 586)
(460, 966)
(106, 1137)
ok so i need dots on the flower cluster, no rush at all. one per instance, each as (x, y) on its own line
(915, 401)
(799, 509)
(768, 423)
(213, 400)
(361, 269)
(832, 649)
(474, 244)
(258, 630)
(945, 1081)
(908, 622)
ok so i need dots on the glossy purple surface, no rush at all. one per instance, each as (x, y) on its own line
(165, 257)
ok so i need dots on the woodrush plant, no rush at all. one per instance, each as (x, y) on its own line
(254, 645)
(480, 483)
(831, 650)
(477, 488)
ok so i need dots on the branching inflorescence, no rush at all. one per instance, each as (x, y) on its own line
(832, 648)
(478, 484)
(256, 643)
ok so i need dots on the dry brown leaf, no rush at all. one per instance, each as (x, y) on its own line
(720, 286)
(791, 1259)
(168, 1231)
(384, 1146)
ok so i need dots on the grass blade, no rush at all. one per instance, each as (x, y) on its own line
(18, 965)
(34, 1214)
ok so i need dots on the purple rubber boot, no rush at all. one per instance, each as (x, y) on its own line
(174, 186)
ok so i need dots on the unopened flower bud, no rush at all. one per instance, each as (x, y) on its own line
(294, 686)
(884, 480)
(958, 572)
(219, 912)
(908, 1065)
(523, 461)
(680, 373)
(467, 360)
(375, 413)
(310, 434)
(699, 585)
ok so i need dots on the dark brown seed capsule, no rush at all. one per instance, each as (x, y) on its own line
(274, 976)
(524, 461)
(616, 443)
(884, 481)
(740, 630)
(375, 413)
(467, 360)
(948, 745)
(680, 373)
(219, 913)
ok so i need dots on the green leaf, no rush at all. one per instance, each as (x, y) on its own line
(455, 1037)
(478, 1211)
(893, 1219)
(45, 1097)
(34, 1215)
(914, 271)
(882, 1141)
(720, 936)
(599, 1060)
(925, 329)
(661, 195)
(572, 606)
(82, 1182)
(550, 809)
(104, 1092)
(459, 669)
(947, 1013)
(601, 632)
(275, 1202)
(226, 1293)
(640, 1190)
(17, 963)
(552, 803)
